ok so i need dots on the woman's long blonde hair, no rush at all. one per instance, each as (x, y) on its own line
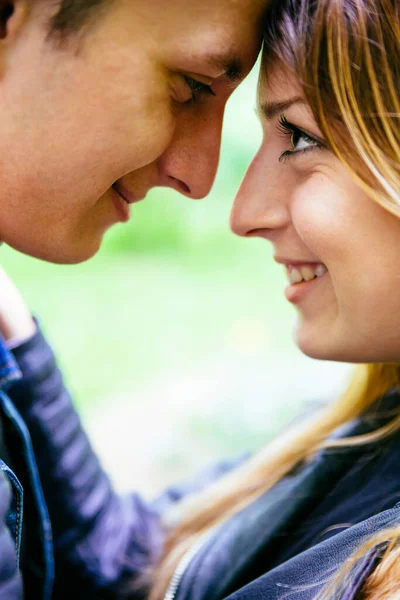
(346, 55)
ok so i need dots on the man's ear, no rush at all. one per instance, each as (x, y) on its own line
(13, 14)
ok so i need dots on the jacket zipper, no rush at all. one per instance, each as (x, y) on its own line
(184, 564)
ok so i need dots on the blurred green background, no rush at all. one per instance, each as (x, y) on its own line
(176, 339)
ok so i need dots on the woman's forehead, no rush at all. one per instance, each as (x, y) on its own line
(276, 82)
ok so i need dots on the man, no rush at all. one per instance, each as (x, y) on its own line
(93, 118)
(100, 101)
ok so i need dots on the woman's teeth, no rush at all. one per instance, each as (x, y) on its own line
(307, 273)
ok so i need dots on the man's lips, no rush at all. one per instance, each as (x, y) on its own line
(126, 195)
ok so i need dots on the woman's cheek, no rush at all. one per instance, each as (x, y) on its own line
(319, 218)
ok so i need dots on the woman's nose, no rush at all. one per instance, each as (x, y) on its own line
(260, 204)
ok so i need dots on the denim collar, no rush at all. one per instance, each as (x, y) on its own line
(9, 371)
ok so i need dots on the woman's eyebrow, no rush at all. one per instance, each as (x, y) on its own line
(269, 110)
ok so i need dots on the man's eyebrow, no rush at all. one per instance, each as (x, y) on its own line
(269, 110)
(231, 66)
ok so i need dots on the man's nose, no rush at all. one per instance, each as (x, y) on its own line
(260, 205)
(190, 163)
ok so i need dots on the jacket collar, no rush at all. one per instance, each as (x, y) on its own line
(9, 371)
(254, 531)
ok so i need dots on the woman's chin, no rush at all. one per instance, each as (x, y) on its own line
(316, 343)
(322, 345)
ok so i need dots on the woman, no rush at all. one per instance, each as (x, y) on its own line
(314, 515)
(325, 190)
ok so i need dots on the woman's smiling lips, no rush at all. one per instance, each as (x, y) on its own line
(304, 276)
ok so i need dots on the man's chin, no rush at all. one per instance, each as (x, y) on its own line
(67, 254)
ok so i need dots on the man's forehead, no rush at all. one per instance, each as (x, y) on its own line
(235, 40)
(225, 8)
(214, 46)
(229, 51)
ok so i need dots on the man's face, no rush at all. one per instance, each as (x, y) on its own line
(123, 111)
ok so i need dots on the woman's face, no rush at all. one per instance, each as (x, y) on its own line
(139, 100)
(340, 249)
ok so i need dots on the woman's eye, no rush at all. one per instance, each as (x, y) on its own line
(300, 140)
(197, 89)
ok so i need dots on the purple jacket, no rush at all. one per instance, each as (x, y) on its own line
(81, 540)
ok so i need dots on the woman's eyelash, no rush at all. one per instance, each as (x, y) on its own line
(198, 89)
(291, 131)
(288, 130)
